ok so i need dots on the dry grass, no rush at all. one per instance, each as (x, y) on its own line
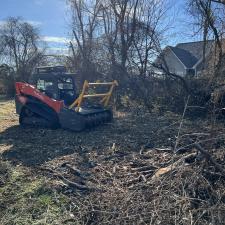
(7, 109)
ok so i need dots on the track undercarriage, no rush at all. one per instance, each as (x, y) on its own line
(31, 119)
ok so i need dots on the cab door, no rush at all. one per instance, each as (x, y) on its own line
(67, 89)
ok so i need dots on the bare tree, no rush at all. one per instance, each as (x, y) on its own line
(219, 1)
(110, 25)
(148, 33)
(119, 26)
(210, 19)
(20, 46)
(119, 39)
(126, 17)
(84, 24)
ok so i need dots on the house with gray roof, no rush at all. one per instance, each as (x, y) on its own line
(185, 58)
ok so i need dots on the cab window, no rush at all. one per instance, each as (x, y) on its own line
(65, 84)
(43, 84)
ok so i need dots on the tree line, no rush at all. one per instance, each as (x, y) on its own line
(117, 39)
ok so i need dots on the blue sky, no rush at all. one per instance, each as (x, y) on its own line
(51, 16)
(181, 23)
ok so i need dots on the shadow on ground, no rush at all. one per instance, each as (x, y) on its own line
(32, 147)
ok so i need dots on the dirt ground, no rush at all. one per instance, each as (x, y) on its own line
(110, 174)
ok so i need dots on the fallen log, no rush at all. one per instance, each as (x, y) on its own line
(173, 166)
(208, 157)
(144, 168)
(72, 184)
(75, 171)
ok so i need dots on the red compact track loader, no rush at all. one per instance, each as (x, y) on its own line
(51, 101)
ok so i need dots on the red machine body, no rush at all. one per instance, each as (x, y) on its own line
(23, 90)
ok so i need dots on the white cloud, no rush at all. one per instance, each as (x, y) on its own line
(53, 39)
(32, 22)
(57, 51)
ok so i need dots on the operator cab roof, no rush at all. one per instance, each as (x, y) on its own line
(50, 73)
(56, 71)
(50, 69)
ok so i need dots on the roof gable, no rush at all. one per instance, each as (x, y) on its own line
(191, 53)
(185, 57)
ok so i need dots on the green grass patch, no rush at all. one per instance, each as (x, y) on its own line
(26, 199)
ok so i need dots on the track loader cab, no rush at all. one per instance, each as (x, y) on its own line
(56, 83)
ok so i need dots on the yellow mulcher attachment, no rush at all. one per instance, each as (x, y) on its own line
(105, 96)
(94, 115)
